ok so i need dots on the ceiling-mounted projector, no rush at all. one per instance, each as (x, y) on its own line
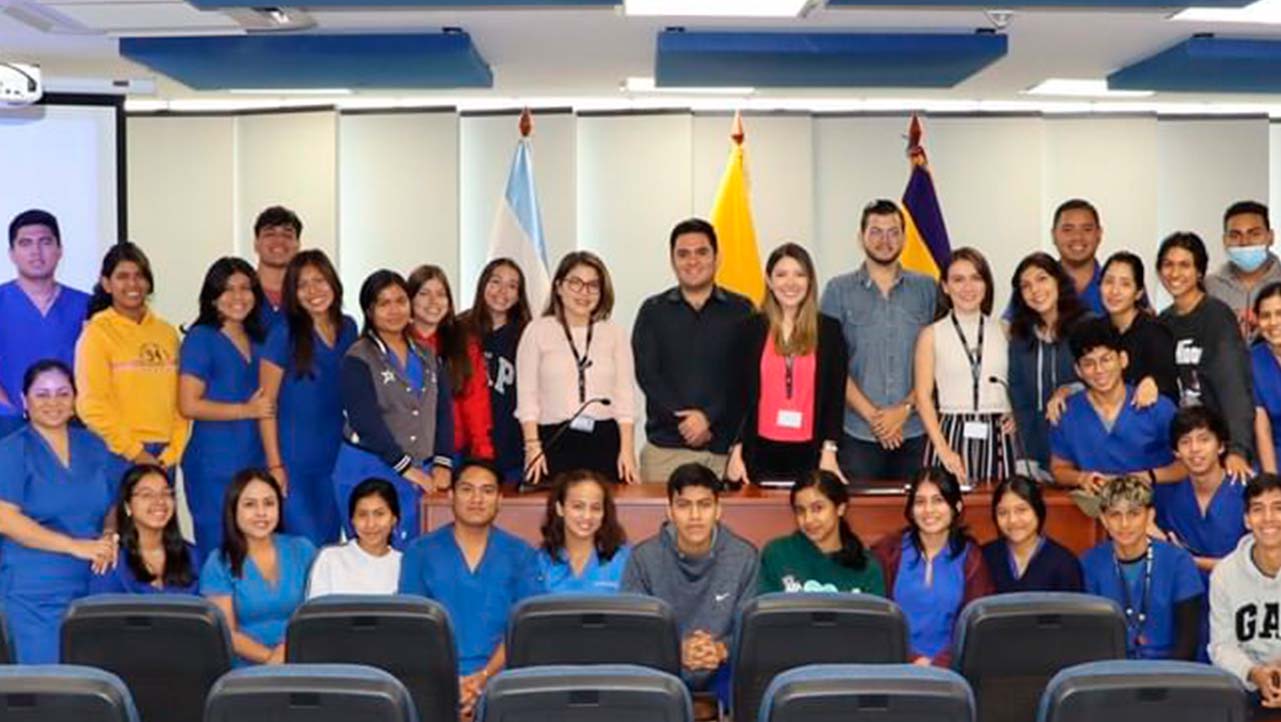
(19, 84)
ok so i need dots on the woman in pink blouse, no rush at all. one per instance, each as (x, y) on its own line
(575, 379)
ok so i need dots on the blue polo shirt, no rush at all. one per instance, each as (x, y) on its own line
(1138, 440)
(1174, 579)
(27, 337)
(478, 600)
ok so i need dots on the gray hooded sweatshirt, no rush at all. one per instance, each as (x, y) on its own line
(1245, 614)
(704, 592)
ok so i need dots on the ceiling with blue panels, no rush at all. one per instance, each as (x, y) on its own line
(221, 62)
(422, 4)
(1207, 65)
(823, 60)
(1047, 4)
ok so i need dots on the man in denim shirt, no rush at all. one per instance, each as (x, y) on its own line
(882, 308)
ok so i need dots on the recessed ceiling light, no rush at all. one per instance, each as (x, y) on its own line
(1083, 88)
(1267, 12)
(718, 8)
(647, 85)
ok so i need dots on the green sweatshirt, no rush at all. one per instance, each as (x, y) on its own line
(793, 564)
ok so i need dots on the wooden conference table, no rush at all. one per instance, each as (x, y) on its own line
(760, 515)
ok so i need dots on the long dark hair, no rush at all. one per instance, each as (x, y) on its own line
(234, 545)
(178, 570)
(958, 536)
(478, 316)
(1125, 258)
(610, 536)
(122, 252)
(452, 336)
(302, 330)
(1024, 320)
(852, 553)
(216, 279)
(1025, 489)
(376, 283)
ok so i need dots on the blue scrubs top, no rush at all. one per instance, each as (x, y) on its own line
(1174, 579)
(1267, 389)
(262, 608)
(122, 580)
(1139, 439)
(597, 578)
(1092, 295)
(931, 610)
(37, 586)
(27, 337)
(309, 412)
(270, 316)
(478, 601)
(209, 355)
(1214, 534)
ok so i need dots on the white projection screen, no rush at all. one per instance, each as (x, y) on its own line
(65, 155)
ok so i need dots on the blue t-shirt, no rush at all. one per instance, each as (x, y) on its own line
(1214, 534)
(27, 337)
(209, 355)
(1174, 579)
(478, 601)
(1267, 389)
(930, 609)
(1139, 439)
(120, 579)
(597, 578)
(262, 608)
(309, 414)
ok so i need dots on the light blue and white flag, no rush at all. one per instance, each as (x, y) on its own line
(517, 232)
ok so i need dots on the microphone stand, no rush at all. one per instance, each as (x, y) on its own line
(525, 486)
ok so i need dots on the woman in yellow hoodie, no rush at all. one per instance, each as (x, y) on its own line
(127, 368)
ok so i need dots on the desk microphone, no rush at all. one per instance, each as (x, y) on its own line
(1021, 448)
(555, 437)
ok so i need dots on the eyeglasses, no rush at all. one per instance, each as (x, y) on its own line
(578, 285)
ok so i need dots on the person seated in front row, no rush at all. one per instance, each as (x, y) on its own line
(1245, 598)
(702, 569)
(1023, 558)
(933, 568)
(1204, 513)
(823, 554)
(477, 571)
(259, 576)
(584, 546)
(1102, 433)
(367, 564)
(153, 558)
(1155, 583)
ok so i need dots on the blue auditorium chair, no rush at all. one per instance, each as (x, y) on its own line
(867, 693)
(63, 693)
(585, 693)
(594, 629)
(311, 693)
(1144, 691)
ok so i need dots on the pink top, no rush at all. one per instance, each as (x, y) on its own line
(784, 416)
(547, 375)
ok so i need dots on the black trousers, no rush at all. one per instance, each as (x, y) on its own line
(574, 450)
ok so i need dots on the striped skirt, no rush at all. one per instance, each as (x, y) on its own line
(989, 459)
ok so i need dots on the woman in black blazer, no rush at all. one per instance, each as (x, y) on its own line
(789, 378)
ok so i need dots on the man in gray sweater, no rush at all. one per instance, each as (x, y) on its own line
(700, 568)
(1245, 597)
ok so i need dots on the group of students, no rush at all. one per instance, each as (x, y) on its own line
(282, 414)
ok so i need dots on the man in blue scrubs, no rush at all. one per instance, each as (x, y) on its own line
(1101, 434)
(277, 238)
(1156, 584)
(41, 317)
(477, 571)
(1204, 513)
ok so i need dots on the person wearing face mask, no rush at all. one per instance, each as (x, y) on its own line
(367, 563)
(584, 546)
(1251, 265)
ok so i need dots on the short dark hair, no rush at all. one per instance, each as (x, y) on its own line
(472, 462)
(880, 207)
(1191, 243)
(1261, 484)
(46, 364)
(693, 225)
(692, 474)
(1192, 418)
(1093, 333)
(1075, 204)
(1025, 489)
(277, 216)
(1241, 208)
(34, 217)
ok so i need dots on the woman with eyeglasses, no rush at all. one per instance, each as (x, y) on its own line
(153, 558)
(575, 378)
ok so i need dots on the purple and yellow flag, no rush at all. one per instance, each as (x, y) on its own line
(926, 248)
